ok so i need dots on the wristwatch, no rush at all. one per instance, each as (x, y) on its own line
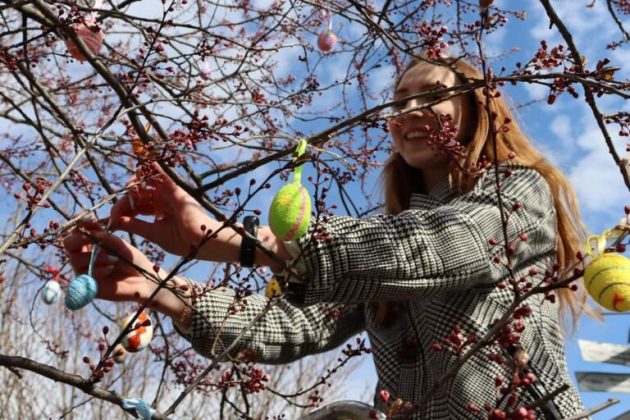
(248, 245)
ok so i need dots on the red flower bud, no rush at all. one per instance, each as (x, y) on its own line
(383, 395)
(472, 407)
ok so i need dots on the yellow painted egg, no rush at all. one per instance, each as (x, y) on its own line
(607, 280)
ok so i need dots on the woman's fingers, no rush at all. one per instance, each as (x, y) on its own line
(139, 227)
(164, 185)
(138, 200)
(144, 202)
(102, 272)
(78, 246)
(76, 242)
(80, 261)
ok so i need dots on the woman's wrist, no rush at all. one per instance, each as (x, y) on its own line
(174, 300)
(226, 247)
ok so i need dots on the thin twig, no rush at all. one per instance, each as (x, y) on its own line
(66, 378)
(596, 409)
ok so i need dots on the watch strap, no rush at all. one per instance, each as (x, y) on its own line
(248, 245)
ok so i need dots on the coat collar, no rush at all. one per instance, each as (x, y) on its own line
(441, 193)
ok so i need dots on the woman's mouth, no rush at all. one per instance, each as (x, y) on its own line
(416, 135)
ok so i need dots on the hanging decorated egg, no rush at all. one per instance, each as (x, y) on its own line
(327, 40)
(607, 280)
(119, 353)
(51, 292)
(205, 71)
(93, 40)
(81, 291)
(607, 276)
(140, 334)
(137, 146)
(273, 289)
(290, 210)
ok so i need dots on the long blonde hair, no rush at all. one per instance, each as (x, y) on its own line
(400, 181)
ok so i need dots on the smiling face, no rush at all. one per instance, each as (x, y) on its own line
(410, 131)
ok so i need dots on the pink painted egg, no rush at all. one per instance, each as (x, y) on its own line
(326, 40)
(93, 40)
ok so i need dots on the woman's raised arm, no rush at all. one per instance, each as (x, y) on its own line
(423, 251)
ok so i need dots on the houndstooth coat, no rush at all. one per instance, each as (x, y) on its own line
(436, 263)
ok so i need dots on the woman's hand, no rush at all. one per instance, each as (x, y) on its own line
(178, 217)
(178, 222)
(118, 267)
(122, 272)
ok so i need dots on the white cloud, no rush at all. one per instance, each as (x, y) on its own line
(286, 59)
(596, 178)
(565, 127)
(587, 25)
(535, 90)
(561, 126)
(621, 57)
(598, 184)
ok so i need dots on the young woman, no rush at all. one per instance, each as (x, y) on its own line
(433, 262)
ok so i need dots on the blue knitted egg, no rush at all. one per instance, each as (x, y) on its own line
(80, 292)
(51, 292)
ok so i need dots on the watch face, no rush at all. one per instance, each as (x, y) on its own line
(250, 222)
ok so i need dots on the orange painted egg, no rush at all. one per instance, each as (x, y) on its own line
(140, 334)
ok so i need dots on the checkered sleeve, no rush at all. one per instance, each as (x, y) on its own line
(283, 334)
(420, 252)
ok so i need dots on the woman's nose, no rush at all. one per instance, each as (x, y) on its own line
(414, 103)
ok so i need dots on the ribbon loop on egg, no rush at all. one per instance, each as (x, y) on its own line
(142, 409)
(596, 245)
(300, 149)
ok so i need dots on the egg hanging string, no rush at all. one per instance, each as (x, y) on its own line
(93, 15)
(330, 22)
(299, 150)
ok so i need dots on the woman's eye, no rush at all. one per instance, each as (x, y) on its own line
(399, 106)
